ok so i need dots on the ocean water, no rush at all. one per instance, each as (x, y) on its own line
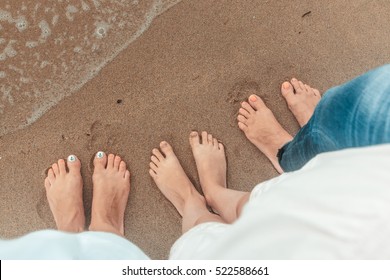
(51, 48)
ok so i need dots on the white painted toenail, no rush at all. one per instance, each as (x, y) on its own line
(72, 158)
(100, 154)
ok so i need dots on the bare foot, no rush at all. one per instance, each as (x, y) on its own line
(64, 191)
(172, 181)
(211, 164)
(111, 188)
(262, 129)
(210, 161)
(301, 99)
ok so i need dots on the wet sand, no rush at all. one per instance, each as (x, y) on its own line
(189, 71)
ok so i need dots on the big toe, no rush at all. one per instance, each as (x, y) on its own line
(194, 139)
(256, 102)
(73, 163)
(166, 148)
(100, 160)
(287, 90)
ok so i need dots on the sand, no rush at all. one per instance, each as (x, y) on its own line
(189, 71)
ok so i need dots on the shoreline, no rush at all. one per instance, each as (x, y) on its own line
(52, 98)
(188, 71)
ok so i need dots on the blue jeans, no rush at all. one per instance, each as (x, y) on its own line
(355, 114)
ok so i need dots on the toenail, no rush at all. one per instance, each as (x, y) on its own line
(293, 80)
(100, 154)
(286, 85)
(194, 133)
(163, 143)
(252, 98)
(72, 158)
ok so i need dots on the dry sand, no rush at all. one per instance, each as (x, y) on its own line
(189, 71)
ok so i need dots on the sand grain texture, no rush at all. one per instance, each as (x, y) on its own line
(189, 71)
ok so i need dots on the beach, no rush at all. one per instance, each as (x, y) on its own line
(188, 71)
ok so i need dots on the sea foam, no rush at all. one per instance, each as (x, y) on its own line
(48, 52)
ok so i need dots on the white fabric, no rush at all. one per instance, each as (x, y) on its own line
(57, 245)
(336, 207)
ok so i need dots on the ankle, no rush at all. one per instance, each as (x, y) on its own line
(104, 226)
(194, 196)
(275, 144)
(70, 228)
(210, 198)
(71, 224)
(194, 201)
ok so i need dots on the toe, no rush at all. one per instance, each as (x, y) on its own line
(256, 102)
(287, 91)
(194, 139)
(47, 183)
(61, 166)
(127, 175)
(153, 167)
(302, 86)
(242, 126)
(221, 146)
(166, 148)
(215, 142)
(74, 164)
(158, 154)
(309, 90)
(110, 161)
(295, 84)
(55, 169)
(155, 160)
(204, 137)
(317, 92)
(117, 161)
(100, 160)
(244, 113)
(247, 107)
(152, 173)
(122, 166)
(210, 139)
(242, 119)
(51, 176)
